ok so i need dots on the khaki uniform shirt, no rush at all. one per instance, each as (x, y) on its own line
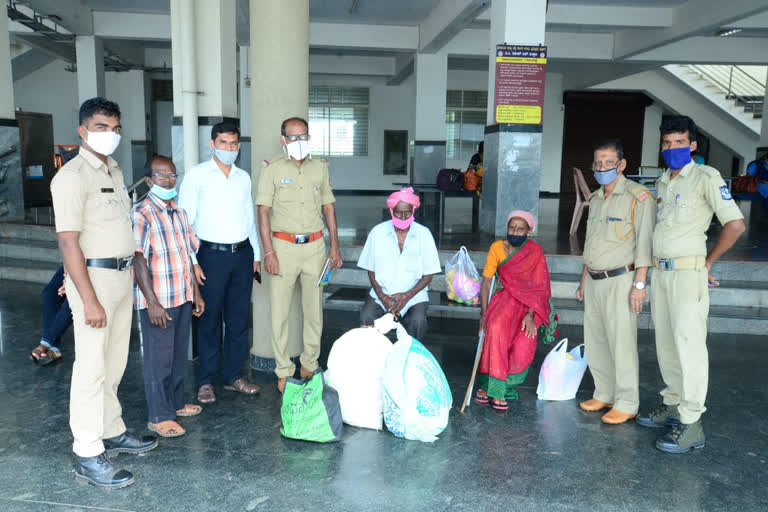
(614, 237)
(90, 197)
(295, 194)
(684, 209)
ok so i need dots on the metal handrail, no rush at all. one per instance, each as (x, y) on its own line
(726, 80)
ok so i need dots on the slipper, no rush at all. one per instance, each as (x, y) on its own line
(38, 351)
(189, 410)
(51, 356)
(166, 428)
(481, 397)
(499, 405)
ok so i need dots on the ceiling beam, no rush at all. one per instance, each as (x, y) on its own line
(59, 50)
(132, 25)
(709, 50)
(358, 36)
(404, 67)
(446, 20)
(691, 18)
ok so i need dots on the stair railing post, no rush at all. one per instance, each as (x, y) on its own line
(730, 81)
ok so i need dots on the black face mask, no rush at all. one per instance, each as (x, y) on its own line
(516, 240)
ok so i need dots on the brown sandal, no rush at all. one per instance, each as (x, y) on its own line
(167, 428)
(243, 386)
(189, 410)
(50, 356)
(38, 353)
(205, 394)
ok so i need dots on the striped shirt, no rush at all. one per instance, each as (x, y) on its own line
(164, 236)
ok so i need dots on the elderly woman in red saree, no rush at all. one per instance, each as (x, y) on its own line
(518, 310)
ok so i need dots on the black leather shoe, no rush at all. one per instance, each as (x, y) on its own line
(129, 443)
(99, 471)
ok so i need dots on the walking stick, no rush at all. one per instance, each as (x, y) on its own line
(468, 394)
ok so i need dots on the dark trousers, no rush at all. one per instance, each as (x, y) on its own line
(227, 291)
(57, 317)
(414, 321)
(165, 356)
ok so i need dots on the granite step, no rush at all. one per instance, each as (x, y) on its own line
(722, 319)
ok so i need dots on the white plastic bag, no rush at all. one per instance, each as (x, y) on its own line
(561, 372)
(462, 281)
(355, 369)
(417, 398)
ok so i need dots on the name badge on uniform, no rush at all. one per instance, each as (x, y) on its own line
(725, 193)
(286, 180)
(107, 191)
(613, 219)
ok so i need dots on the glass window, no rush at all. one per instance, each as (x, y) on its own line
(338, 121)
(465, 119)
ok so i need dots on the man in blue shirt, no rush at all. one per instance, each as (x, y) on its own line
(759, 169)
(401, 258)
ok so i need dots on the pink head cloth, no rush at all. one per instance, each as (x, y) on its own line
(526, 216)
(406, 195)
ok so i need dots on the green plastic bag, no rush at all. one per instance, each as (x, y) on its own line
(311, 410)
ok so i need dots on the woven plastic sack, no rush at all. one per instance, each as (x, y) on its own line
(417, 398)
(561, 372)
(310, 410)
(462, 281)
(355, 370)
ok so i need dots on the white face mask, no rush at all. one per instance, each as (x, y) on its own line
(104, 143)
(225, 156)
(298, 150)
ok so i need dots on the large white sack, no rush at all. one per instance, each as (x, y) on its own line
(417, 398)
(355, 368)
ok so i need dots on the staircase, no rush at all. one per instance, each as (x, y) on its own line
(739, 306)
(740, 91)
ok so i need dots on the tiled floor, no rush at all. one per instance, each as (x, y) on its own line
(539, 456)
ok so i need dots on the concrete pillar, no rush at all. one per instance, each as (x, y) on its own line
(6, 78)
(274, 97)
(428, 155)
(651, 137)
(512, 159)
(89, 51)
(11, 181)
(204, 55)
(552, 141)
(126, 88)
(763, 146)
(244, 107)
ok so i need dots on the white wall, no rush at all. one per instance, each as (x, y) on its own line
(721, 157)
(51, 90)
(390, 108)
(127, 90)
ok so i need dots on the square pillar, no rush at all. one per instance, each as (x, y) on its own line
(11, 185)
(512, 159)
(89, 51)
(428, 143)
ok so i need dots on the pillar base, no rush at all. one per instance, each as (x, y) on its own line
(11, 176)
(204, 129)
(511, 174)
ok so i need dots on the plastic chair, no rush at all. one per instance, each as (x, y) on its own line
(582, 199)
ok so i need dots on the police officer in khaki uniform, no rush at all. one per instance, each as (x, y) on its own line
(688, 195)
(617, 254)
(294, 194)
(93, 222)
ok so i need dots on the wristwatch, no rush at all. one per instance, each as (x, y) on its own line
(640, 285)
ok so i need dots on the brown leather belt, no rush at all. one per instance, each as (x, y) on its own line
(298, 239)
(602, 274)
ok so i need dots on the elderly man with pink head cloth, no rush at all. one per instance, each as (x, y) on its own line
(401, 257)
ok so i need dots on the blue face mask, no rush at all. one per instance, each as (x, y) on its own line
(677, 158)
(166, 194)
(516, 240)
(606, 177)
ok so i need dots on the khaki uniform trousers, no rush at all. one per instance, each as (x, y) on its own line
(302, 263)
(680, 306)
(610, 341)
(100, 359)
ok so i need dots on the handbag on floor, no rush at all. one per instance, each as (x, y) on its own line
(311, 410)
(561, 372)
